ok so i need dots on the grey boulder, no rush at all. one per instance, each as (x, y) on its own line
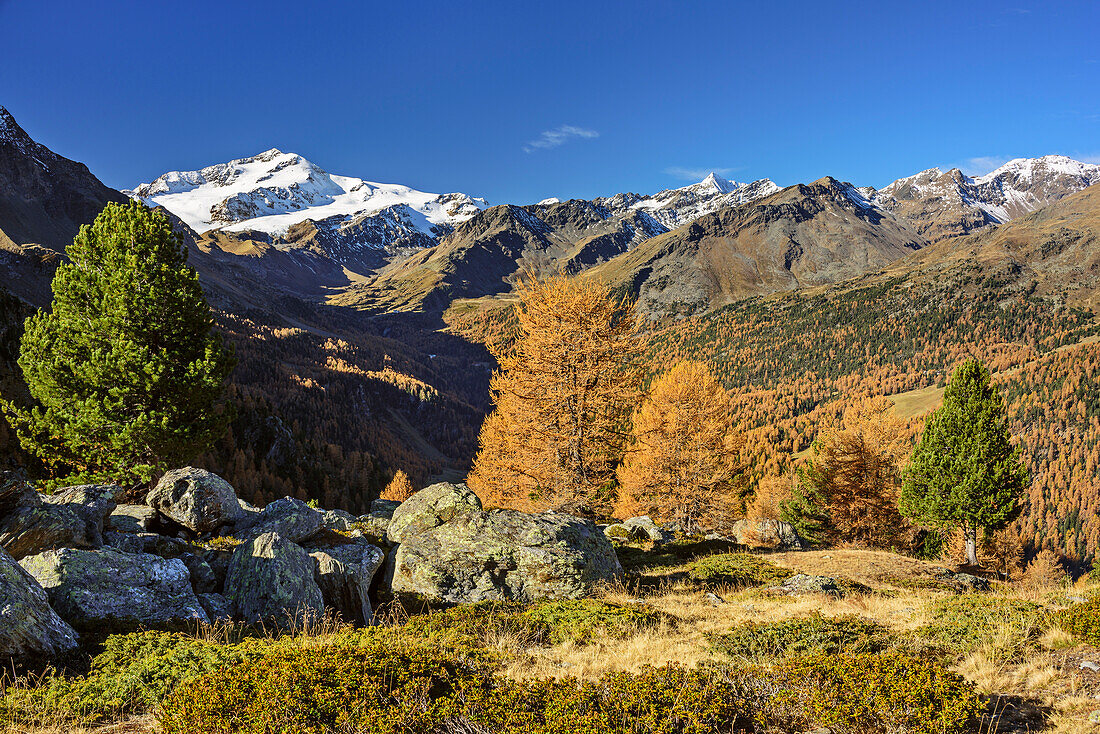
(272, 579)
(132, 519)
(344, 573)
(289, 518)
(802, 583)
(30, 629)
(91, 588)
(638, 528)
(195, 498)
(429, 508)
(217, 607)
(72, 518)
(774, 534)
(504, 554)
(338, 520)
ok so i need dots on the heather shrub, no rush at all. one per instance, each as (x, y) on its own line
(1082, 621)
(131, 675)
(385, 684)
(814, 634)
(964, 622)
(885, 692)
(741, 570)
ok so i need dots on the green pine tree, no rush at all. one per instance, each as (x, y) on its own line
(124, 370)
(804, 510)
(965, 472)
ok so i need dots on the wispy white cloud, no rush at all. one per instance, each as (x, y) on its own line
(697, 174)
(558, 136)
(981, 165)
(1095, 158)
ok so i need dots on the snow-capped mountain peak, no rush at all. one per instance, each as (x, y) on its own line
(274, 190)
(676, 207)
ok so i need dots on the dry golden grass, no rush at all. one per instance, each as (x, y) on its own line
(136, 725)
(872, 568)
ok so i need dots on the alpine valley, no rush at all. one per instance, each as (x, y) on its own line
(361, 311)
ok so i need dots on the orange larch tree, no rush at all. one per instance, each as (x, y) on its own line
(684, 465)
(399, 489)
(562, 400)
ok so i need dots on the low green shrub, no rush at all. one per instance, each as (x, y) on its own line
(1082, 621)
(740, 570)
(814, 634)
(131, 675)
(964, 622)
(386, 684)
(412, 689)
(886, 692)
(542, 623)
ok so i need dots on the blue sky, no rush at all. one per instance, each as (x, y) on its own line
(518, 101)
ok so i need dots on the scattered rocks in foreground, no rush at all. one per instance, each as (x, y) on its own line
(29, 628)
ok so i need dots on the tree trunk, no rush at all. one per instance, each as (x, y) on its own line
(971, 545)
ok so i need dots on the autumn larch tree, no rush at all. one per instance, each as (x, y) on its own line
(684, 465)
(124, 369)
(854, 475)
(399, 489)
(965, 472)
(562, 399)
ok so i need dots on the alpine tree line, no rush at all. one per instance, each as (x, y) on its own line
(127, 378)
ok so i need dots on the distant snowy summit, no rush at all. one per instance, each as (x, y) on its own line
(273, 191)
(941, 204)
(674, 208)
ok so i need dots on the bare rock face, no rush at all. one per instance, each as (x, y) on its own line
(289, 518)
(90, 589)
(29, 628)
(195, 498)
(72, 518)
(774, 534)
(504, 554)
(344, 573)
(429, 508)
(272, 579)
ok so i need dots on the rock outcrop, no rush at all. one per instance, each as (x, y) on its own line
(503, 554)
(289, 518)
(272, 579)
(90, 589)
(774, 534)
(195, 498)
(29, 628)
(72, 518)
(429, 508)
(344, 573)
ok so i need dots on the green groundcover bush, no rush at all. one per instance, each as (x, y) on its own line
(813, 634)
(964, 622)
(411, 689)
(740, 570)
(1082, 621)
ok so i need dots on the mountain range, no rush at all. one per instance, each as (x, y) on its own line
(338, 291)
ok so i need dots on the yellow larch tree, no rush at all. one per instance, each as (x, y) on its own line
(562, 399)
(399, 489)
(684, 465)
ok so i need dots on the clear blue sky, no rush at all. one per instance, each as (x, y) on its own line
(517, 101)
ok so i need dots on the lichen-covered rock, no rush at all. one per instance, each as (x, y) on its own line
(638, 528)
(272, 579)
(430, 508)
(195, 498)
(384, 507)
(374, 524)
(774, 534)
(132, 519)
(802, 583)
(40, 526)
(337, 520)
(92, 588)
(217, 607)
(344, 573)
(29, 629)
(289, 518)
(504, 554)
(93, 502)
(14, 493)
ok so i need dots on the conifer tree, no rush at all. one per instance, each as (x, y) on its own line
(684, 464)
(965, 472)
(125, 372)
(804, 510)
(562, 400)
(399, 489)
(853, 475)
